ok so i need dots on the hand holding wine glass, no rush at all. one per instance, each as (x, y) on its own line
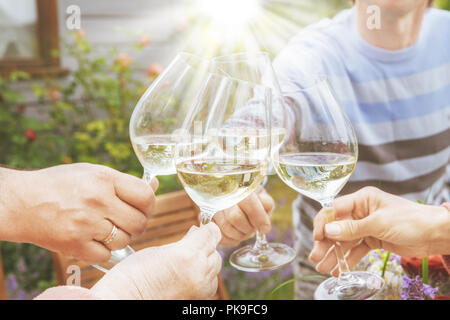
(256, 67)
(317, 159)
(225, 151)
(156, 119)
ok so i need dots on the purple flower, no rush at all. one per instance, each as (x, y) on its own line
(415, 289)
(11, 283)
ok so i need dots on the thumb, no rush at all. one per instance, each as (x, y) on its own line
(347, 230)
(205, 237)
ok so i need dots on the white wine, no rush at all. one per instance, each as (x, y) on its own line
(250, 142)
(318, 175)
(156, 153)
(219, 183)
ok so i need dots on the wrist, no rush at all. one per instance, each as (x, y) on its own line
(440, 234)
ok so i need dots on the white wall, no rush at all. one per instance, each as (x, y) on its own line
(118, 23)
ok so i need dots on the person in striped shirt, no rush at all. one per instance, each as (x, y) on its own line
(393, 81)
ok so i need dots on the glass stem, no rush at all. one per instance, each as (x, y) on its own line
(147, 176)
(344, 270)
(261, 242)
(206, 215)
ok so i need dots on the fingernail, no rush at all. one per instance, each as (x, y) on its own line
(333, 229)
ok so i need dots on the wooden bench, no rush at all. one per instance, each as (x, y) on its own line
(174, 214)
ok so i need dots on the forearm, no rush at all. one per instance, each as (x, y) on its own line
(12, 197)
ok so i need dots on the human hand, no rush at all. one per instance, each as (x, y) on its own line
(241, 221)
(372, 219)
(186, 270)
(72, 208)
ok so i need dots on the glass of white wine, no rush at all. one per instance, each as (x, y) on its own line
(256, 67)
(156, 119)
(317, 159)
(224, 153)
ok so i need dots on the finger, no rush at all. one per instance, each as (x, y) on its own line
(266, 200)
(347, 230)
(126, 217)
(354, 256)
(231, 232)
(94, 252)
(330, 260)
(206, 237)
(120, 241)
(228, 242)
(359, 204)
(154, 183)
(255, 213)
(237, 219)
(134, 191)
(324, 216)
(319, 250)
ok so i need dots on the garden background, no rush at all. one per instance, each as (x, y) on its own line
(83, 115)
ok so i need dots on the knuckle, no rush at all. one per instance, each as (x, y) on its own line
(149, 200)
(370, 190)
(140, 225)
(104, 256)
(82, 218)
(95, 199)
(228, 229)
(102, 174)
(352, 228)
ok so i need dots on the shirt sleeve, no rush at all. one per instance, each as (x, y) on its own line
(67, 293)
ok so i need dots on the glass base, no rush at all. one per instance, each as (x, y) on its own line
(275, 256)
(361, 286)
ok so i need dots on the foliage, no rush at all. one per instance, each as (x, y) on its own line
(81, 118)
(443, 4)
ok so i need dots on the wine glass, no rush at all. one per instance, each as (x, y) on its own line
(225, 149)
(156, 118)
(317, 159)
(256, 67)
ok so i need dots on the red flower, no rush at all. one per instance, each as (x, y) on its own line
(144, 41)
(21, 108)
(154, 70)
(67, 160)
(442, 297)
(413, 266)
(80, 33)
(54, 94)
(124, 60)
(30, 134)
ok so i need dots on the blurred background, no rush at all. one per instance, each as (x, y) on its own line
(72, 71)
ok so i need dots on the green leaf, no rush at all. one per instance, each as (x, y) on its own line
(425, 270)
(315, 276)
(385, 262)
